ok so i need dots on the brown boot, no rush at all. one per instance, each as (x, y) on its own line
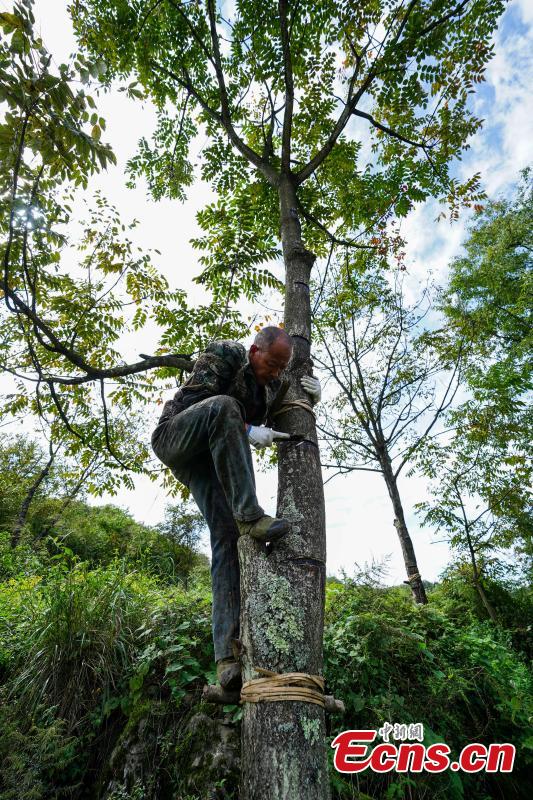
(229, 674)
(264, 529)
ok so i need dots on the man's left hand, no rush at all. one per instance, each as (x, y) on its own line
(312, 386)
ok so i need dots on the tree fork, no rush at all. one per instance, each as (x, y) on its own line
(283, 586)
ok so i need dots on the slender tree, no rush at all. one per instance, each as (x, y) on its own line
(481, 476)
(184, 526)
(30, 494)
(30, 474)
(487, 299)
(22, 462)
(391, 387)
(74, 488)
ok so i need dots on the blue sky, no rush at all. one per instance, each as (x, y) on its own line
(357, 506)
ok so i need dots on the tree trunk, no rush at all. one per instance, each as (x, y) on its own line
(485, 600)
(477, 578)
(26, 503)
(413, 575)
(283, 588)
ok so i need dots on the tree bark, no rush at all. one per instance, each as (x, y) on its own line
(283, 586)
(413, 574)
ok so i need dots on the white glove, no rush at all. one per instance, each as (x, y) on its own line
(260, 436)
(312, 386)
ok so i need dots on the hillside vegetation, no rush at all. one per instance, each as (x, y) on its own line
(105, 644)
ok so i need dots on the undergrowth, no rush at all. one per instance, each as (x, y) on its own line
(97, 660)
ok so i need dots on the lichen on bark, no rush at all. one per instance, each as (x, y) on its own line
(279, 621)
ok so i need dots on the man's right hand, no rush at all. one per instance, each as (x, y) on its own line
(260, 436)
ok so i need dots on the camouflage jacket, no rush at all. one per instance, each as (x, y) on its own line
(223, 368)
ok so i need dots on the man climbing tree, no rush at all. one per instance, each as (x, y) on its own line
(204, 436)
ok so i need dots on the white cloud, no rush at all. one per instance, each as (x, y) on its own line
(526, 10)
(499, 151)
(510, 116)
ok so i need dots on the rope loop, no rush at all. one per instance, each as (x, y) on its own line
(275, 686)
(303, 404)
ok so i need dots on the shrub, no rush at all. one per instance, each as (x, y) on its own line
(390, 660)
(21, 561)
(77, 635)
(99, 535)
(85, 654)
(38, 759)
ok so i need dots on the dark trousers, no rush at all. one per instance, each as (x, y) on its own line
(207, 448)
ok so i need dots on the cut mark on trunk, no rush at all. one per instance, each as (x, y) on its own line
(300, 443)
(299, 336)
(302, 283)
(296, 252)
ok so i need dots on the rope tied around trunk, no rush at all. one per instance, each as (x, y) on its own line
(276, 686)
(287, 405)
(412, 578)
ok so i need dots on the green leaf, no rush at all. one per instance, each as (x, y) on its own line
(11, 22)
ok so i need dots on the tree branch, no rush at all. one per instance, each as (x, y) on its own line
(106, 429)
(447, 399)
(352, 101)
(331, 236)
(25, 507)
(454, 12)
(196, 35)
(146, 17)
(385, 128)
(186, 83)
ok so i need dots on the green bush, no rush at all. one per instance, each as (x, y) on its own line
(24, 560)
(512, 601)
(80, 648)
(77, 634)
(39, 761)
(97, 640)
(390, 660)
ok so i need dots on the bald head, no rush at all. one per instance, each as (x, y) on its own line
(270, 354)
(267, 336)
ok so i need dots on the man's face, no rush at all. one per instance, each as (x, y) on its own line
(268, 364)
